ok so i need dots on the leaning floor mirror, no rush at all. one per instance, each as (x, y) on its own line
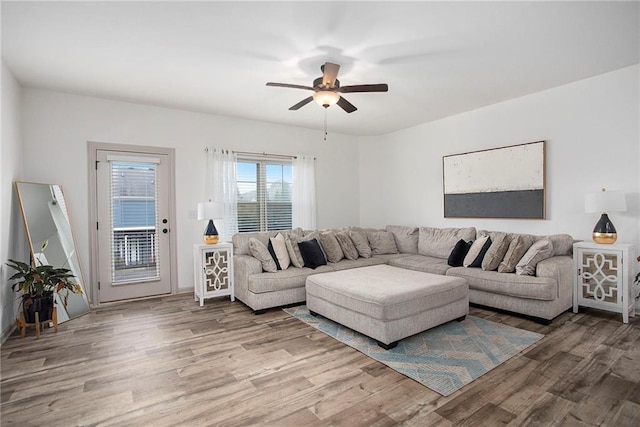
(48, 228)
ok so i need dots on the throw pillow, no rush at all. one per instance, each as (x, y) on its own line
(497, 250)
(458, 253)
(361, 244)
(562, 244)
(382, 242)
(439, 242)
(477, 252)
(294, 251)
(261, 253)
(280, 249)
(331, 246)
(312, 253)
(542, 249)
(346, 244)
(273, 255)
(406, 238)
(520, 244)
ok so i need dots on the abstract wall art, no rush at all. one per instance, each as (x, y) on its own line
(506, 182)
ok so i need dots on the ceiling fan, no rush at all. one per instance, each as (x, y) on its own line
(327, 89)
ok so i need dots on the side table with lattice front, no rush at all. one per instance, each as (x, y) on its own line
(213, 271)
(602, 278)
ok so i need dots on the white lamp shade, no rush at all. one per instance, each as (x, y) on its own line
(605, 201)
(210, 210)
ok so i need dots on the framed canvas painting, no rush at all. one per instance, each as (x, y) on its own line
(506, 182)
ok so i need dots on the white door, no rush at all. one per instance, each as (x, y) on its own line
(133, 225)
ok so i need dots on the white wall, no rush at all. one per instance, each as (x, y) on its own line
(592, 133)
(12, 241)
(58, 126)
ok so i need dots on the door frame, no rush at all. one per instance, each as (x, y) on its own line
(92, 148)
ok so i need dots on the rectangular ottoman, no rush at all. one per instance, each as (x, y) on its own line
(387, 303)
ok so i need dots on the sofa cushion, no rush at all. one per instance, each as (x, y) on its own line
(382, 242)
(346, 244)
(459, 251)
(279, 245)
(294, 251)
(498, 249)
(261, 253)
(330, 246)
(346, 264)
(529, 287)
(476, 253)
(439, 242)
(562, 244)
(283, 279)
(312, 253)
(422, 263)
(361, 244)
(406, 238)
(519, 245)
(542, 249)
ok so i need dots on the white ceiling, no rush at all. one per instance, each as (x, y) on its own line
(439, 58)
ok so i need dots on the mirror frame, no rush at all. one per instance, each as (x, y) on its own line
(79, 275)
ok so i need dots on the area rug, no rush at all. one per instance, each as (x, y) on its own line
(445, 358)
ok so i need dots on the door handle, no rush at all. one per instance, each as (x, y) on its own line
(165, 231)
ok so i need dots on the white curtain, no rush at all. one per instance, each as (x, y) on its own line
(221, 188)
(303, 197)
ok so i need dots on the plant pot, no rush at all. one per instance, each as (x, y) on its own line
(43, 305)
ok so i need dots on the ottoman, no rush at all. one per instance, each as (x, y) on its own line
(387, 303)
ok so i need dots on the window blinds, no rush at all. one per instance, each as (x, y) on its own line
(264, 195)
(134, 192)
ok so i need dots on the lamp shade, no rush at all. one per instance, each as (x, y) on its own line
(605, 201)
(210, 210)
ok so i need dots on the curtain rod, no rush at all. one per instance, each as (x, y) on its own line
(250, 153)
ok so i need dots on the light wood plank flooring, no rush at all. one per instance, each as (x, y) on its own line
(168, 361)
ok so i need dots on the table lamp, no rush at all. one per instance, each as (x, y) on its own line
(210, 210)
(603, 202)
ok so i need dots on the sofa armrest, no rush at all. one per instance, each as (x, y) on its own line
(243, 267)
(559, 268)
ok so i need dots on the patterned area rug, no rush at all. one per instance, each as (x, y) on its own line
(444, 358)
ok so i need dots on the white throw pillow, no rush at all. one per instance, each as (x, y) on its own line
(280, 248)
(475, 250)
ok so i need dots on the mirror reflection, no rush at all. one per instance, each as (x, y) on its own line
(48, 228)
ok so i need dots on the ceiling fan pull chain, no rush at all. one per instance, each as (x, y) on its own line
(325, 124)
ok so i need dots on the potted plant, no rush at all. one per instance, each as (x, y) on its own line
(38, 283)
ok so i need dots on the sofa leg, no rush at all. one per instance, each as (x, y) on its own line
(387, 346)
(461, 318)
(258, 312)
(313, 313)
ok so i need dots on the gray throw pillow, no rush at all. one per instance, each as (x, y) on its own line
(498, 249)
(261, 253)
(346, 244)
(542, 249)
(331, 247)
(294, 251)
(406, 238)
(519, 245)
(382, 242)
(562, 244)
(361, 244)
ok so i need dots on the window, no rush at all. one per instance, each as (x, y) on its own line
(264, 194)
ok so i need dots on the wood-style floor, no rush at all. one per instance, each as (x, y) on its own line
(169, 362)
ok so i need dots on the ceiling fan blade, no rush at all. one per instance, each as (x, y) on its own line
(346, 105)
(329, 74)
(382, 87)
(301, 103)
(290, 86)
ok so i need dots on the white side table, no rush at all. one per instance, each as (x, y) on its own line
(213, 271)
(603, 278)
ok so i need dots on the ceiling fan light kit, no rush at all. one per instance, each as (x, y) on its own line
(327, 90)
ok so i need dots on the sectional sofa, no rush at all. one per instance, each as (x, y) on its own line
(541, 288)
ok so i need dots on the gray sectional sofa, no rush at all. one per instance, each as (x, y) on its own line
(543, 295)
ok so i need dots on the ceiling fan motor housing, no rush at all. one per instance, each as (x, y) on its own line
(317, 84)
